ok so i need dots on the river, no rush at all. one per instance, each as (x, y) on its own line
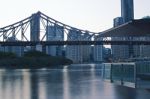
(69, 82)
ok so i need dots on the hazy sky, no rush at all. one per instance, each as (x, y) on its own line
(92, 15)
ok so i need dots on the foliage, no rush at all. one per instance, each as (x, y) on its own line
(7, 55)
(146, 17)
(33, 59)
(34, 54)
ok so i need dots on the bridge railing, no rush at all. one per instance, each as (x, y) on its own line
(126, 38)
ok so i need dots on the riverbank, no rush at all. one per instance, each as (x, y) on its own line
(32, 60)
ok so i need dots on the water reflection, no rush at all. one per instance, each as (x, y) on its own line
(66, 84)
(71, 82)
(42, 92)
(26, 84)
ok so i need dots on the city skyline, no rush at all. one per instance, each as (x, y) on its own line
(85, 14)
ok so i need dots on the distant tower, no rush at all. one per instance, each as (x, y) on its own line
(127, 10)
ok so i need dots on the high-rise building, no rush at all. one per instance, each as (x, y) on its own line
(74, 52)
(127, 10)
(86, 48)
(55, 33)
(98, 50)
(18, 50)
(78, 53)
(118, 21)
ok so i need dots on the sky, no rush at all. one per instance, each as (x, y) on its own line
(92, 15)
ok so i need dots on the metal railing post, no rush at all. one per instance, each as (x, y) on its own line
(122, 74)
(135, 74)
(111, 72)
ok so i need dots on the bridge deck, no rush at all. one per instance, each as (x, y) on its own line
(33, 43)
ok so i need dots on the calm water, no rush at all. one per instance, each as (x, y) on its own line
(73, 82)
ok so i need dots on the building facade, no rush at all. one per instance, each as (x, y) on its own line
(74, 52)
(78, 53)
(86, 48)
(118, 21)
(98, 51)
(55, 33)
(127, 10)
(18, 50)
(119, 52)
(142, 50)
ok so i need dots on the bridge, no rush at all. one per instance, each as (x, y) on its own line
(61, 43)
(37, 28)
(40, 29)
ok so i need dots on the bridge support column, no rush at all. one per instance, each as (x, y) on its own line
(35, 28)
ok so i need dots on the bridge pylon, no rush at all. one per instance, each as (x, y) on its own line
(35, 28)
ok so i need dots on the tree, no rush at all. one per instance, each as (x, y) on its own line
(35, 54)
(7, 55)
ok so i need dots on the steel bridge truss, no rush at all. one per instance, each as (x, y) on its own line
(35, 28)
